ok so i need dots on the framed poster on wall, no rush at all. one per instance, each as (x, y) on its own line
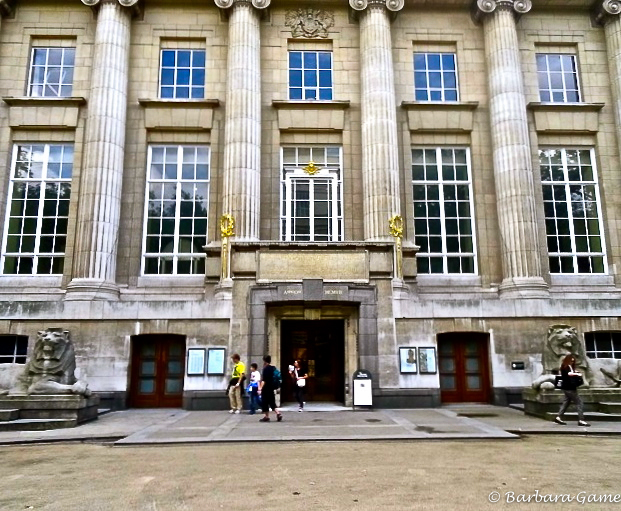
(407, 360)
(196, 361)
(215, 360)
(427, 361)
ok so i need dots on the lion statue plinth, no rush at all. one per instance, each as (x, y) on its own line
(51, 368)
(562, 340)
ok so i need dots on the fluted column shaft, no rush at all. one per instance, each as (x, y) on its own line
(242, 132)
(513, 173)
(380, 157)
(100, 189)
(609, 14)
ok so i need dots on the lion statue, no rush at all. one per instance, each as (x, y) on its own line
(562, 340)
(51, 368)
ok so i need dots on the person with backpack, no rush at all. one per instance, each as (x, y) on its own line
(271, 380)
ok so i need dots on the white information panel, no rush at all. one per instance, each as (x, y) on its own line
(363, 392)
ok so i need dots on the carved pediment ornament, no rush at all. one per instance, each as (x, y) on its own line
(482, 7)
(309, 23)
(391, 5)
(257, 4)
(606, 11)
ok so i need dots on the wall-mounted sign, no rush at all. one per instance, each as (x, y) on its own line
(196, 361)
(407, 360)
(427, 361)
(215, 360)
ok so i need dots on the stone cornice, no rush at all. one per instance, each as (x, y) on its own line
(6, 7)
(391, 5)
(606, 11)
(481, 8)
(257, 4)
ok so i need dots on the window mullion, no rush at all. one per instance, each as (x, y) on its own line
(570, 215)
(37, 246)
(441, 205)
(177, 209)
(311, 208)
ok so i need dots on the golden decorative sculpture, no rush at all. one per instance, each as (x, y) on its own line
(396, 230)
(311, 169)
(227, 229)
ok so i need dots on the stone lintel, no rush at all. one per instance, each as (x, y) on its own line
(482, 8)
(605, 11)
(576, 118)
(184, 115)
(434, 116)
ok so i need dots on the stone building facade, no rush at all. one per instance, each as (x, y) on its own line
(418, 189)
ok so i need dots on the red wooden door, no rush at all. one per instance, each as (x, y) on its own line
(158, 368)
(464, 367)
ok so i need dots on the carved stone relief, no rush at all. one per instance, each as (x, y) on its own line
(309, 23)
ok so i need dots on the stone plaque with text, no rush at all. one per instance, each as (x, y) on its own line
(324, 264)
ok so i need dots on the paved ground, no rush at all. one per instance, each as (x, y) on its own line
(312, 476)
(317, 423)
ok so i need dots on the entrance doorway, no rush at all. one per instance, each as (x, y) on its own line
(157, 369)
(320, 345)
(464, 367)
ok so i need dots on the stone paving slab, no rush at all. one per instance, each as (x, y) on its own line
(318, 422)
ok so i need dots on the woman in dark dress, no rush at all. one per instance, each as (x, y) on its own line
(569, 385)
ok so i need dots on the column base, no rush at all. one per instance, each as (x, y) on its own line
(524, 287)
(224, 290)
(400, 289)
(91, 289)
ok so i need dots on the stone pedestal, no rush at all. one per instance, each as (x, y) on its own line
(599, 403)
(40, 412)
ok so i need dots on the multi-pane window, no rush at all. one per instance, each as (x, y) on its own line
(570, 199)
(182, 74)
(443, 222)
(435, 77)
(603, 344)
(38, 209)
(558, 78)
(176, 210)
(310, 75)
(311, 206)
(13, 349)
(51, 72)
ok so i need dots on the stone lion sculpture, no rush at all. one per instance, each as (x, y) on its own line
(51, 368)
(562, 340)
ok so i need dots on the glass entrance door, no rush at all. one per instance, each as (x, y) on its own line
(158, 367)
(464, 367)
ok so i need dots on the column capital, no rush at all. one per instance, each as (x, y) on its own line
(481, 8)
(134, 5)
(391, 5)
(6, 8)
(257, 4)
(606, 11)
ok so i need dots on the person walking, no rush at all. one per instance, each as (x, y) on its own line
(269, 384)
(253, 388)
(235, 384)
(570, 381)
(299, 377)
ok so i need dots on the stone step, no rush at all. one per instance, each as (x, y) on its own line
(37, 424)
(588, 416)
(610, 407)
(9, 415)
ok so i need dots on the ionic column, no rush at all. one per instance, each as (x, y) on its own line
(380, 150)
(607, 13)
(242, 130)
(94, 266)
(513, 172)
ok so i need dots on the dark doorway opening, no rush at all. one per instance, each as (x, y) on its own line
(321, 347)
(157, 370)
(464, 367)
